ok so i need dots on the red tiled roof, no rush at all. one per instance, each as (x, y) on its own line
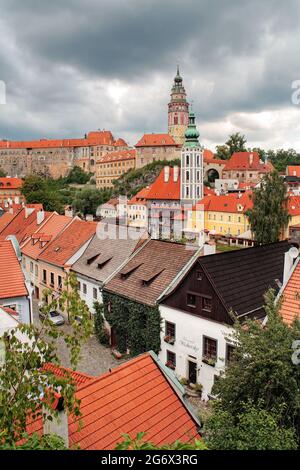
(48, 231)
(93, 138)
(165, 190)
(227, 203)
(68, 242)
(155, 140)
(79, 377)
(121, 143)
(134, 397)
(22, 225)
(120, 155)
(293, 170)
(294, 205)
(290, 308)
(5, 219)
(247, 161)
(140, 197)
(12, 282)
(10, 183)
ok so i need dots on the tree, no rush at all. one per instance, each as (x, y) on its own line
(2, 173)
(39, 191)
(100, 330)
(24, 380)
(88, 200)
(262, 383)
(281, 158)
(140, 443)
(269, 217)
(77, 176)
(235, 143)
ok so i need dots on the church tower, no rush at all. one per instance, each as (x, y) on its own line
(191, 179)
(178, 114)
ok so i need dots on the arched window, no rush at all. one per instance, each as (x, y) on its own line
(187, 174)
(198, 160)
(187, 160)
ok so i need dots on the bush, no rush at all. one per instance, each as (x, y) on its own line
(100, 330)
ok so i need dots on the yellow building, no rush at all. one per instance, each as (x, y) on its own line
(222, 215)
(112, 166)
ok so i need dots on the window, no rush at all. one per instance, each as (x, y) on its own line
(31, 266)
(199, 276)
(79, 286)
(229, 352)
(171, 360)
(188, 176)
(59, 283)
(170, 330)
(206, 304)
(209, 348)
(95, 293)
(36, 270)
(191, 300)
(44, 276)
(52, 279)
(187, 159)
(84, 289)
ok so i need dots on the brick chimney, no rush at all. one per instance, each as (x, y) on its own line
(251, 159)
(59, 424)
(166, 174)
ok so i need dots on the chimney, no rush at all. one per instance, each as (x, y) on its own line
(289, 259)
(89, 218)
(40, 216)
(59, 423)
(175, 173)
(69, 211)
(166, 174)
(28, 211)
(251, 159)
(209, 249)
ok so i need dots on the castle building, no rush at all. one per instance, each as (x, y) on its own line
(178, 111)
(191, 180)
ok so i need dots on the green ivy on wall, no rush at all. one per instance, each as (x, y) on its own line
(137, 326)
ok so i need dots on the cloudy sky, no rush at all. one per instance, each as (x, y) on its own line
(72, 66)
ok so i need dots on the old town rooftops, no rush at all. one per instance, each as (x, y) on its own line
(151, 271)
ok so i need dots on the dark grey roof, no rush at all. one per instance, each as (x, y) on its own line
(104, 256)
(242, 277)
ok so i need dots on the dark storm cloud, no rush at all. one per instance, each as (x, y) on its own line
(236, 56)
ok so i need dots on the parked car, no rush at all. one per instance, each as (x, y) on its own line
(55, 317)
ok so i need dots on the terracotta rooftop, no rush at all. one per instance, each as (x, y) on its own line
(290, 308)
(5, 219)
(120, 155)
(38, 241)
(162, 189)
(293, 170)
(79, 377)
(150, 271)
(23, 224)
(134, 397)
(10, 183)
(68, 242)
(12, 282)
(141, 197)
(156, 140)
(232, 202)
(247, 161)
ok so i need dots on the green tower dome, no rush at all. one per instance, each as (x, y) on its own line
(191, 134)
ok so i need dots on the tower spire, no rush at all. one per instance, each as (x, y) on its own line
(178, 114)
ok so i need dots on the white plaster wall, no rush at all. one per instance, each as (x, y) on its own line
(88, 297)
(189, 345)
(23, 307)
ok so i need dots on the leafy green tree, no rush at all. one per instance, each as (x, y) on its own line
(100, 329)
(252, 429)
(269, 217)
(24, 381)
(261, 382)
(2, 173)
(88, 200)
(235, 143)
(281, 158)
(140, 443)
(38, 190)
(78, 176)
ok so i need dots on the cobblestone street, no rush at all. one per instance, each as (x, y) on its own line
(96, 359)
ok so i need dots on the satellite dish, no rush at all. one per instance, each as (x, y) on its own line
(293, 252)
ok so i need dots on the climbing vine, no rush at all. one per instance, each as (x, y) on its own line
(136, 326)
(100, 330)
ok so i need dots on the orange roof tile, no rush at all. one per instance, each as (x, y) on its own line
(293, 170)
(140, 197)
(12, 282)
(290, 308)
(79, 377)
(247, 161)
(133, 397)
(68, 242)
(120, 155)
(294, 205)
(5, 219)
(165, 190)
(155, 140)
(10, 183)
(22, 224)
(227, 203)
(46, 232)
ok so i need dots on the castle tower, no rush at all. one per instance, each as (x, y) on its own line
(178, 113)
(191, 180)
